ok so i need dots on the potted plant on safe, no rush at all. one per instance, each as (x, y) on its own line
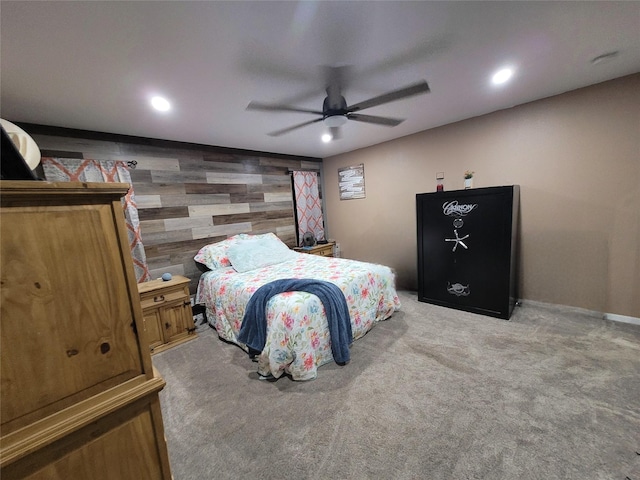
(468, 179)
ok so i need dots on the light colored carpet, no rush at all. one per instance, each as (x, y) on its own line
(431, 393)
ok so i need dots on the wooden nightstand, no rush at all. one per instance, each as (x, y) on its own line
(166, 308)
(325, 250)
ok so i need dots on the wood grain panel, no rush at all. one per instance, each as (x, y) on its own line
(270, 225)
(214, 166)
(153, 238)
(271, 207)
(277, 197)
(154, 163)
(247, 160)
(218, 230)
(248, 197)
(172, 247)
(310, 165)
(89, 148)
(147, 188)
(147, 201)
(242, 178)
(277, 179)
(142, 177)
(269, 188)
(151, 226)
(178, 185)
(195, 199)
(209, 188)
(159, 262)
(187, 222)
(252, 216)
(161, 176)
(162, 213)
(278, 162)
(61, 154)
(201, 210)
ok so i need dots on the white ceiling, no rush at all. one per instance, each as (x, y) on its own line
(94, 65)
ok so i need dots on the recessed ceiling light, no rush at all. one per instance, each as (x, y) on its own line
(326, 138)
(161, 104)
(502, 76)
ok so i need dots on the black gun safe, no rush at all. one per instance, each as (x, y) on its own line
(467, 249)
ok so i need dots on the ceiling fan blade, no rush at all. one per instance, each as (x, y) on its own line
(387, 122)
(277, 133)
(336, 133)
(266, 107)
(411, 90)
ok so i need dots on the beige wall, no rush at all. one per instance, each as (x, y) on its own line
(576, 157)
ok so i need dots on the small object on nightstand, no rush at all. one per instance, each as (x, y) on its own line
(325, 250)
(166, 277)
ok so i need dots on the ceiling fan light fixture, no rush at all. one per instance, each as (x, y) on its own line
(326, 138)
(335, 120)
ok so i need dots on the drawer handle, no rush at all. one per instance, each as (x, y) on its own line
(105, 347)
(158, 298)
(167, 325)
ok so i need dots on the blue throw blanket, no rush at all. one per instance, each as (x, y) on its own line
(253, 331)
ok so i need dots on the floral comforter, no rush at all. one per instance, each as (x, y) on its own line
(298, 340)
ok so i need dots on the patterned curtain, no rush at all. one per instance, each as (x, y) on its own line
(308, 205)
(81, 170)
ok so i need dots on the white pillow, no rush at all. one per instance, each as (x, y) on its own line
(258, 253)
(215, 255)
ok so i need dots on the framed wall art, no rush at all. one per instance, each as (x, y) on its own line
(351, 182)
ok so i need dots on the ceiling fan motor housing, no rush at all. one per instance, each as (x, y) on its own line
(336, 112)
(334, 115)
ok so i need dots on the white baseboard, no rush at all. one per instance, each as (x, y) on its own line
(621, 318)
(562, 308)
(614, 317)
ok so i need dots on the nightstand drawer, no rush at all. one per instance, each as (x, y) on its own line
(325, 251)
(156, 299)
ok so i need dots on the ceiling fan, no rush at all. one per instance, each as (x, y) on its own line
(335, 111)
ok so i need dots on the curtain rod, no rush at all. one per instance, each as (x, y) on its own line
(291, 170)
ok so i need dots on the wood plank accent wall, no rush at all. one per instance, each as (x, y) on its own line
(190, 195)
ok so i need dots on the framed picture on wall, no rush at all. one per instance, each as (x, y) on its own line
(351, 182)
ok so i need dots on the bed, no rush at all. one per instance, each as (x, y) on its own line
(297, 335)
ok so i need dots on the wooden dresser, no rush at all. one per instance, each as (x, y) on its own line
(166, 307)
(325, 250)
(79, 396)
